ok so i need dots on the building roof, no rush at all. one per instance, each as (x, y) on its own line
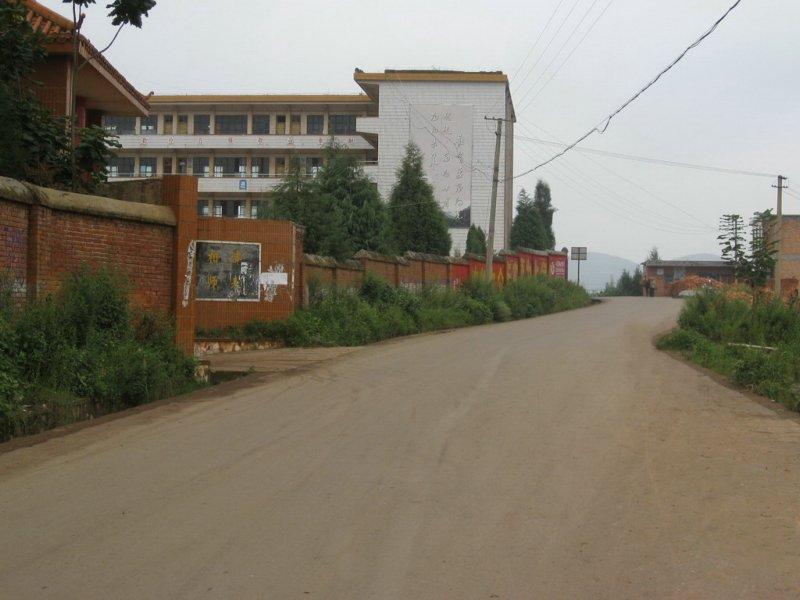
(261, 98)
(688, 263)
(430, 75)
(58, 31)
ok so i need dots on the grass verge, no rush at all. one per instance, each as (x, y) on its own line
(378, 311)
(714, 327)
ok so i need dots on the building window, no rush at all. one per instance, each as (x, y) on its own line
(200, 166)
(230, 124)
(313, 165)
(119, 125)
(229, 208)
(230, 166)
(343, 124)
(261, 124)
(121, 166)
(166, 166)
(147, 166)
(259, 166)
(256, 209)
(183, 165)
(280, 166)
(148, 125)
(202, 124)
(183, 125)
(294, 127)
(280, 125)
(203, 208)
(167, 124)
(315, 124)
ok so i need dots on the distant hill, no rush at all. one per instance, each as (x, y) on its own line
(701, 256)
(599, 269)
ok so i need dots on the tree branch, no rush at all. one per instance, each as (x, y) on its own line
(88, 60)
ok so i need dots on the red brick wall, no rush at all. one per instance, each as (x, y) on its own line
(14, 244)
(143, 251)
(435, 273)
(278, 239)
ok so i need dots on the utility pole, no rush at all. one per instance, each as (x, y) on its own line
(493, 206)
(779, 223)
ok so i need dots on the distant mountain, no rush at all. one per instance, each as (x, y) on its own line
(701, 256)
(599, 269)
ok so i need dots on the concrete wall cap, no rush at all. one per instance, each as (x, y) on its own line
(26, 193)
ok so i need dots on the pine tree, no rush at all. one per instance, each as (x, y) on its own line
(543, 204)
(476, 240)
(731, 238)
(417, 222)
(761, 254)
(365, 217)
(527, 230)
(653, 256)
(300, 199)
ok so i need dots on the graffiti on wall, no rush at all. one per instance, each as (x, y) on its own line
(271, 279)
(187, 278)
(443, 133)
(228, 270)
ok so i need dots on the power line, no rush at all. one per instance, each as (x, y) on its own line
(634, 184)
(538, 39)
(564, 62)
(547, 47)
(646, 159)
(560, 50)
(617, 211)
(603, 125)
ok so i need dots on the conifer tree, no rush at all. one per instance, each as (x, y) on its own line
(417, 222)
(476, 240)
(543, 203)
(527, 230)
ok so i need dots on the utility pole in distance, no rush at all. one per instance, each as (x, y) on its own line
(493, 205)
(779, 221)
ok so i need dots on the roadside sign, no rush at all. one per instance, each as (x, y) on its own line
(578, 253)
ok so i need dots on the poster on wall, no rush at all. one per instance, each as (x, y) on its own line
(228, 270)
(443, 133)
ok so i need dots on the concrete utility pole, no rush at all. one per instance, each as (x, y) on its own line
(493, 206)
(779, 223)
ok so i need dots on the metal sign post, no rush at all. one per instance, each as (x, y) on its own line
(578, 253)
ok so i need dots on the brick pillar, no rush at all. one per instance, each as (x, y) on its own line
(180, 193)
(37, 246)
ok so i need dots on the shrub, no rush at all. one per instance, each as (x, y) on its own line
(82, 352)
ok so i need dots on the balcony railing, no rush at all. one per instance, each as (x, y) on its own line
(267, 141)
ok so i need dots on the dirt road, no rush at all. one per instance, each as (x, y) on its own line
(560, 457)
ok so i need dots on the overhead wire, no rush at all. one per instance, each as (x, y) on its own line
(566, 60)
(603, 125)
(633, 183)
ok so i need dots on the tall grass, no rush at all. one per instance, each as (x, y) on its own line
(378, 310)
(713, 325)
(84, 352)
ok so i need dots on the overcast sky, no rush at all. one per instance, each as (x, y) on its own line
(732, 102)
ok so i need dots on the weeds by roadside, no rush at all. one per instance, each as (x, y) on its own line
(83, 352)
(378, 310)
(756, 344)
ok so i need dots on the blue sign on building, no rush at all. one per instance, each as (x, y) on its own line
(243, 184)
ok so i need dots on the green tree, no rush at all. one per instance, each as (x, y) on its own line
(476, 240)
(543, 203)
(122, 13)
(299, 199)
(364, 214)
(35, 146)
(417, 222)
(653, 255)
(528, 230)
(628, 284)
(731, 238)
(761, 254)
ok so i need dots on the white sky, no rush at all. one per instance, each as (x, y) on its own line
(732, 102)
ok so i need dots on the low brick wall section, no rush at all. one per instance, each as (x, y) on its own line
(46, 234)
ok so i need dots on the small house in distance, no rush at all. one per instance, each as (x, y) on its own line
(659, 275)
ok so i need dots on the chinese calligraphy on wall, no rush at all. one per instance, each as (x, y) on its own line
(228, 270)
(443, 133)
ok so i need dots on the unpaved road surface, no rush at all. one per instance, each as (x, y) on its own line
(560, 457)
